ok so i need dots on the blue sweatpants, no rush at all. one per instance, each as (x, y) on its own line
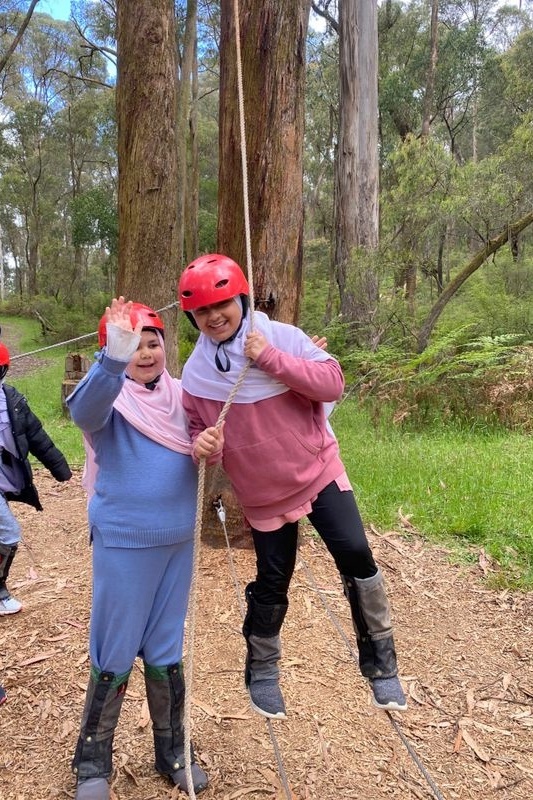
(139, 604)
(9, 527)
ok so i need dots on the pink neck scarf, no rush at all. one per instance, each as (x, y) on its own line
(157, 413)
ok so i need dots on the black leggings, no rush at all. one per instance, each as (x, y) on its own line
(336, 518)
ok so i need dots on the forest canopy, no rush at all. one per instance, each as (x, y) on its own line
(450, 195)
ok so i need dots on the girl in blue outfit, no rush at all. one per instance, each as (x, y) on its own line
(141, 482)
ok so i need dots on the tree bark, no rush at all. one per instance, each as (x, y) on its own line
(273, 36)
(432, 68)
(147, 158)
(184, 110)
(357, 170)
(192, 197)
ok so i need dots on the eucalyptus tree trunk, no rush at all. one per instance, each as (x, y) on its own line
(2, 270)
(147, 157)
(75, 184)
(273, 37)
(33, 240)
(432, 68)
(184, 110)
(357, 169)
(192, 195)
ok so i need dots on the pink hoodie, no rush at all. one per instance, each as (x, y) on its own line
(278, 452)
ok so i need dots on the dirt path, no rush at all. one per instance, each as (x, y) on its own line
(466, 663)
(19, 366)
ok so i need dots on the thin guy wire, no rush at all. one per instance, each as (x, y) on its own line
(77, 338)
(394, 722)
(221, 513)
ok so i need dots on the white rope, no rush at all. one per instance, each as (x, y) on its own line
(191, 613)
(244, 164)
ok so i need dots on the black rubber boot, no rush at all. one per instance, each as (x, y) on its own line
(8, 604)
(261, 628)
(93, 759)
(373, 628)
(165, 692)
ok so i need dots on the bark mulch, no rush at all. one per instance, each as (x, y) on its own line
(464, 649)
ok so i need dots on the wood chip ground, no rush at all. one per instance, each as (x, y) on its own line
(465, 654)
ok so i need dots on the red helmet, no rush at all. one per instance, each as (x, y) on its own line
(4, 360)
(4, 355)
(145, 314)
(211, 279)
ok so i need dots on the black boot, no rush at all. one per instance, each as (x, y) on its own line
(261, 628)
(8, 604)
(92, 762)
(165, 692)
(375, 642)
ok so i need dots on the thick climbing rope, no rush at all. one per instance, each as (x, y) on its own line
(191, 613)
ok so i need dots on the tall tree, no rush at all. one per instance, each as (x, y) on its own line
(356, 188)
(147, 160)
(432, 66)
(185, 131)
(18, 36)
(273, 35)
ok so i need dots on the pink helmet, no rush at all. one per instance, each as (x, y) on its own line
(211, 279)
(145, 314)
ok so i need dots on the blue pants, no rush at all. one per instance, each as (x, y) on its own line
(139, 605)
(336, 518)
(9, 527)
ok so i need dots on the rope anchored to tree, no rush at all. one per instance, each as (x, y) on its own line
(189, 661)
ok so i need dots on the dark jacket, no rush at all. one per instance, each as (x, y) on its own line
(30, 437)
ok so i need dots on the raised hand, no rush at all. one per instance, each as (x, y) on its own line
(119, 314)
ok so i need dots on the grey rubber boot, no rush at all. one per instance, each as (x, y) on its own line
(261, 628)
(165, 692)
(373, 628)
(8, 603)
(93, 760)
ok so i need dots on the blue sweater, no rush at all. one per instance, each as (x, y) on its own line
(145, 494)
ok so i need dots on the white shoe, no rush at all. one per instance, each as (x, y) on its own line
(9, 605)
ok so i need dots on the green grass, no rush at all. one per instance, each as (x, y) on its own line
(468, 489)
(42, 388)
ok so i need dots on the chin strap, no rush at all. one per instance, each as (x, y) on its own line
(226, 366)
(151, 385)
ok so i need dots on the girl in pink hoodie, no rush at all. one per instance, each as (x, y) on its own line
(283, 461)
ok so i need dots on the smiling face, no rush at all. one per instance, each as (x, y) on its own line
(220, 320)
(148, 361)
